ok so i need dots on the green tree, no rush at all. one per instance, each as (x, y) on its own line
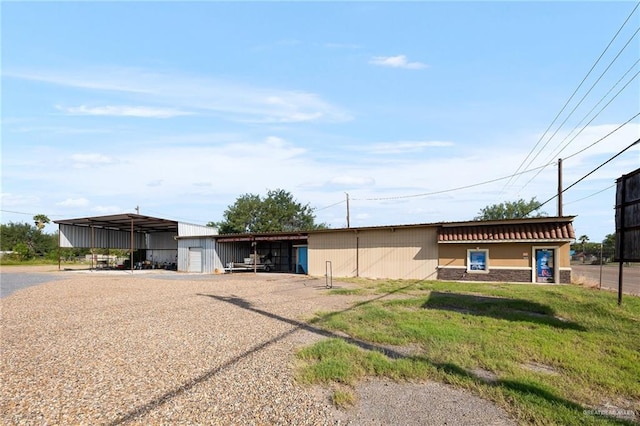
(583, 241)
(278, 211)
(41, 220)
(511, 210)
(37, 243)
(609, 246)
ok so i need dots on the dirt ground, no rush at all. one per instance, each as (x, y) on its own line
(159, 347)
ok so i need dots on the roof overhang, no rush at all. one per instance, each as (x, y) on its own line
(124, 222)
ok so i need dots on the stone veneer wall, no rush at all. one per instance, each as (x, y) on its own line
(497, 275)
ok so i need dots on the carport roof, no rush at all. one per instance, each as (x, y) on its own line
(123, 222)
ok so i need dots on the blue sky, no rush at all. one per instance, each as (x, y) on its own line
(180, 108)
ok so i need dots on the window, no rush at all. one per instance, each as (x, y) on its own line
(478, 260)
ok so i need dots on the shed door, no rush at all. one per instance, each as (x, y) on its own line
(195, 259)
(302, 260)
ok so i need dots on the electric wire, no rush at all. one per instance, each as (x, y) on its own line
(581, 130)
(29, 214)
(329, 206)
(589, 196)
(584, 177)
(473, 185)
(554, 153)
(570, 98)
(584, 97)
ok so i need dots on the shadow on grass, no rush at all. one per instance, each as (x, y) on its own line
(499, 308)
(524, 390)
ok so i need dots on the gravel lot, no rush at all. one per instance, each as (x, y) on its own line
(119, 348)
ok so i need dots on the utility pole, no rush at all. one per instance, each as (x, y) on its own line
(137, 209)
(348, 224)
(559, 187)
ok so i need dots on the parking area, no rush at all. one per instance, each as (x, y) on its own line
(119, 348)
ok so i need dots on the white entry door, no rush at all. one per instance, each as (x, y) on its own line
(195, 259)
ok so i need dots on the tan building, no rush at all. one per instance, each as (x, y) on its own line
(396, 252)
(518, 250)
(526, 250)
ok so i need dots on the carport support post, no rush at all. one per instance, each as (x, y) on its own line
(59, 254)
(255, 258)
(131, 255)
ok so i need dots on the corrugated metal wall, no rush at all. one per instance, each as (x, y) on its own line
(190, 230)
(401, 253)
(209, 259)
(76, 236)
(162, 241)
(231, 252)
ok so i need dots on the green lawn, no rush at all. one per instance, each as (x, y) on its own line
(546, 354)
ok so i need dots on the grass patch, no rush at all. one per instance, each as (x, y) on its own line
(555, 354)
(347, 291)
(343, 398)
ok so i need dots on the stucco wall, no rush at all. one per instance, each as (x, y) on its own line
(508, 262)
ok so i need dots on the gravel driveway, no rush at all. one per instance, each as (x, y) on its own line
(121, 348)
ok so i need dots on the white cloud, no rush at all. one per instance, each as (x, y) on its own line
(351, 181)
(403, 146)
(73, 202)
(198, 95)
(154, 183)
(105, 210)
(399, 61)
(9, 199)
(81, 161)
(124, 111)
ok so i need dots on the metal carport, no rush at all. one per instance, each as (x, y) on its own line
(126, 231)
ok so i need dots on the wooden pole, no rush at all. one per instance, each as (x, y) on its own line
(559, 187)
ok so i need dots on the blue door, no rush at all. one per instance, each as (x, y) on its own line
(301, 263)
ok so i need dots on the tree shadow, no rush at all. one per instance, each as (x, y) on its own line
(499, 308)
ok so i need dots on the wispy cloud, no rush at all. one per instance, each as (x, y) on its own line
(73, 202)
(399, 61)
(12, 200)
(81, 161)
(351, 181)
(198, 95)
(401, 147)
(124, 111)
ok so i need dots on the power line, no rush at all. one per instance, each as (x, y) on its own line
(604, 137)
(444, 190)
(585, 176)
(27, 214)
(591, 195)
(571, 97)
(587, 147)
(554, 153)
(329, 206)
(584, 97)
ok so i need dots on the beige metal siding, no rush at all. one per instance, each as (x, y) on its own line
(381, 253)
